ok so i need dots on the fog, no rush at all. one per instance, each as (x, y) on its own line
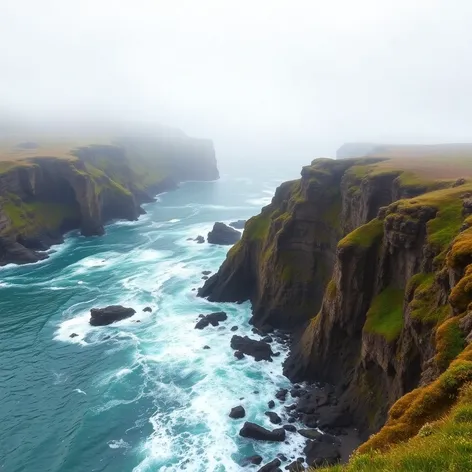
(266, 79)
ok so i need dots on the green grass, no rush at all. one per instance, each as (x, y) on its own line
(28, 218)
(258, 226)
(364, 236)
(385, 315)
(450, 341)
(446, 226)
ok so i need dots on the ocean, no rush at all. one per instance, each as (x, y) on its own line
(141, 394)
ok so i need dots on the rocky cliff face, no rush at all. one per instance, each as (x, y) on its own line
(43, 197)
(359, 254)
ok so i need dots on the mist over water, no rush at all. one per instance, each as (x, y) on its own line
(134, 396)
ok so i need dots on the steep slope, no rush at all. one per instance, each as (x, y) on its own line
(394, 320)
(46, 190)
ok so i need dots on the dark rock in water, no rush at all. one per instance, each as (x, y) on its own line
(252, 460)
(193, 289)
(106, 338)
(257, 349)
(311, 421)
(73, 335)
(238, 224)
(290, 428)
(297, 392)
(206, 272)
(273, 417)
(256, 392)
(311, 434)
(292, 419)
(239, 355)
(267, 339)
(254, 431)
(148, 309)
(237, 413)
(190, 239)
(223, 235)
(212, 318)
(205, 277)
(281, 394)
(206, 347)
(138, 321)
(321, 453)
(109, 314)
(282, 457)
(234, 328)
(276, 354)
(271, 404)
(295, 466)
(256, 331)
(199, 239)
(271, 466)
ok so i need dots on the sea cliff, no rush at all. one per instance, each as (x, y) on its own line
(46, 191)
(368, 262)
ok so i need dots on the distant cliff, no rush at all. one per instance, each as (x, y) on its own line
(46, 191)
(370, 261)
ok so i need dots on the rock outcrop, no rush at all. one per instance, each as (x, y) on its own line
(223, 235)
(83, 188)
(254, 431)
(110, 314)
(368, 262)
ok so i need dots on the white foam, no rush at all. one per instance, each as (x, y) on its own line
(175, 220)
(79, 391)
(118, 444)
(260, 202)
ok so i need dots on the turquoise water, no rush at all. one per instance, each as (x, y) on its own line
(133, 396)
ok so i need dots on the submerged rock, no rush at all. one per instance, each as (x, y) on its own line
(211, 319)
(223, 235)
(73, 335)
(206, 272)
(237, 412)
(109, 314)
(257, 349)
(254, 431)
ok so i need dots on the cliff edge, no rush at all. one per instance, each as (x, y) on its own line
(369, 260)
(49, 189)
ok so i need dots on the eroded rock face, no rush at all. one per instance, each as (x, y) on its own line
(110, 314)
(223, 235)
(83, 193)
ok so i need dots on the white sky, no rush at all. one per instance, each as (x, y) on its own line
(257, 76)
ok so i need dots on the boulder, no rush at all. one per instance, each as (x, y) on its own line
(234, 328)
(199, 239)
(257, 349)
(73, 335)
(223, 235)
(211, 319)
(238, 224)
(237, 413)
(295, 466)
(311, 434)
(290, 428)
(147, 309)
(239, 355)
(206, 347)
(254, 431)
(271, 466)
(206, 272)
(109, 315)
(281, 394)
(267, 339)
(271, 404)
(320, 453)
(273, 417)
(252, 460)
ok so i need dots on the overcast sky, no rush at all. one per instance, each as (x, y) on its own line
(256, 76)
